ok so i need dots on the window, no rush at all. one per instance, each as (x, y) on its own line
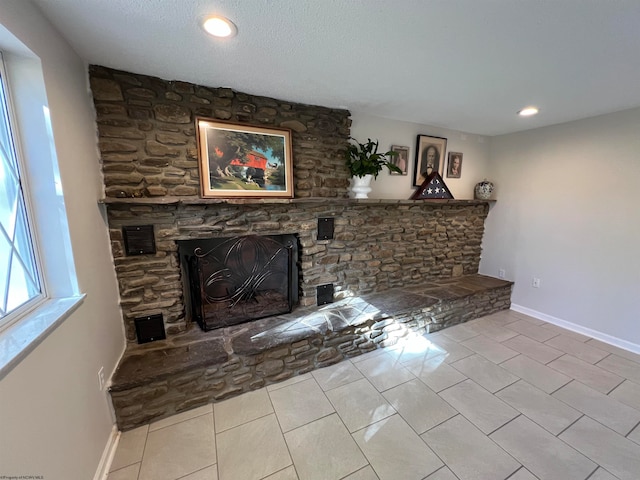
(38, 284)
(19, 280)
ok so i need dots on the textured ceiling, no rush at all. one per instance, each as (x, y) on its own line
(467, 65)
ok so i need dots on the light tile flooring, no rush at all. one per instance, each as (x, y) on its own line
(503, 397)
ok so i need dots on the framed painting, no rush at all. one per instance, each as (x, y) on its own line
(244, 161)
(401, 160)
(430, 156)
(454, 165)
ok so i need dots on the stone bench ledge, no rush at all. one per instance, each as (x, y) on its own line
(159, 379)
(152, 362)
(158, 360)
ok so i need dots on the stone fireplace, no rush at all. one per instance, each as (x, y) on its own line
(148, 148)
(397, 267)
(238, 279)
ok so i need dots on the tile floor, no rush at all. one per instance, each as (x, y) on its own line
(503, 397)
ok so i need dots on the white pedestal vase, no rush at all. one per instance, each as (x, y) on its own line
(360, 186)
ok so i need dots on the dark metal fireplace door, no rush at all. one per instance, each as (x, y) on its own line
(235, 280)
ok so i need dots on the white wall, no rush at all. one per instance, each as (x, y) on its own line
(475, 149)
(54, 420)
(568, 212)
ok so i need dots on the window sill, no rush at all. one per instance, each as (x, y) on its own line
(21, 338)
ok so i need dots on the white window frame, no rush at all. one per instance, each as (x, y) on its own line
(14, 133)
(33, 139)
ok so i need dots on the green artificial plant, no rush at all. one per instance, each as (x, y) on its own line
(364, 159)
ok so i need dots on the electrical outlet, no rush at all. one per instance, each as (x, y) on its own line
(502, 273)
(535, 283)
(101, 378)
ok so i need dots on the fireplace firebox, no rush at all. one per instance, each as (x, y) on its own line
(234, 280)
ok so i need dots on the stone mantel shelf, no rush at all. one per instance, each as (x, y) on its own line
(267, 201)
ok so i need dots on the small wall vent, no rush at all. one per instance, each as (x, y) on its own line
(150, 328)
(324, 294)
(139, 240)
(325, 228)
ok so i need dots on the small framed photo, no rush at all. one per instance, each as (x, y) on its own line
(430, 156)
(454, 165)
(239, 161)
(401, 160)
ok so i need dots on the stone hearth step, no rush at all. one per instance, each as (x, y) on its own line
(162, 378)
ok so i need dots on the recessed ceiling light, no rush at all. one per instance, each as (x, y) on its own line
(219, 26)
(528, 111)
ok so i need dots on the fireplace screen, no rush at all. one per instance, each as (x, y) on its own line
(234, 280)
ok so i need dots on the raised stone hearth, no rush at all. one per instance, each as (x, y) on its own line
(194, 368)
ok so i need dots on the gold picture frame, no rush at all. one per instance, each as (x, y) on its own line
(244, 161)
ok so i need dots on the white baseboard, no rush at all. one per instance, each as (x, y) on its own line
(603, 337)
(107, 455)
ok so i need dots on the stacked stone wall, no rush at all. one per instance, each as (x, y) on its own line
(376, 247)
(147, 135)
